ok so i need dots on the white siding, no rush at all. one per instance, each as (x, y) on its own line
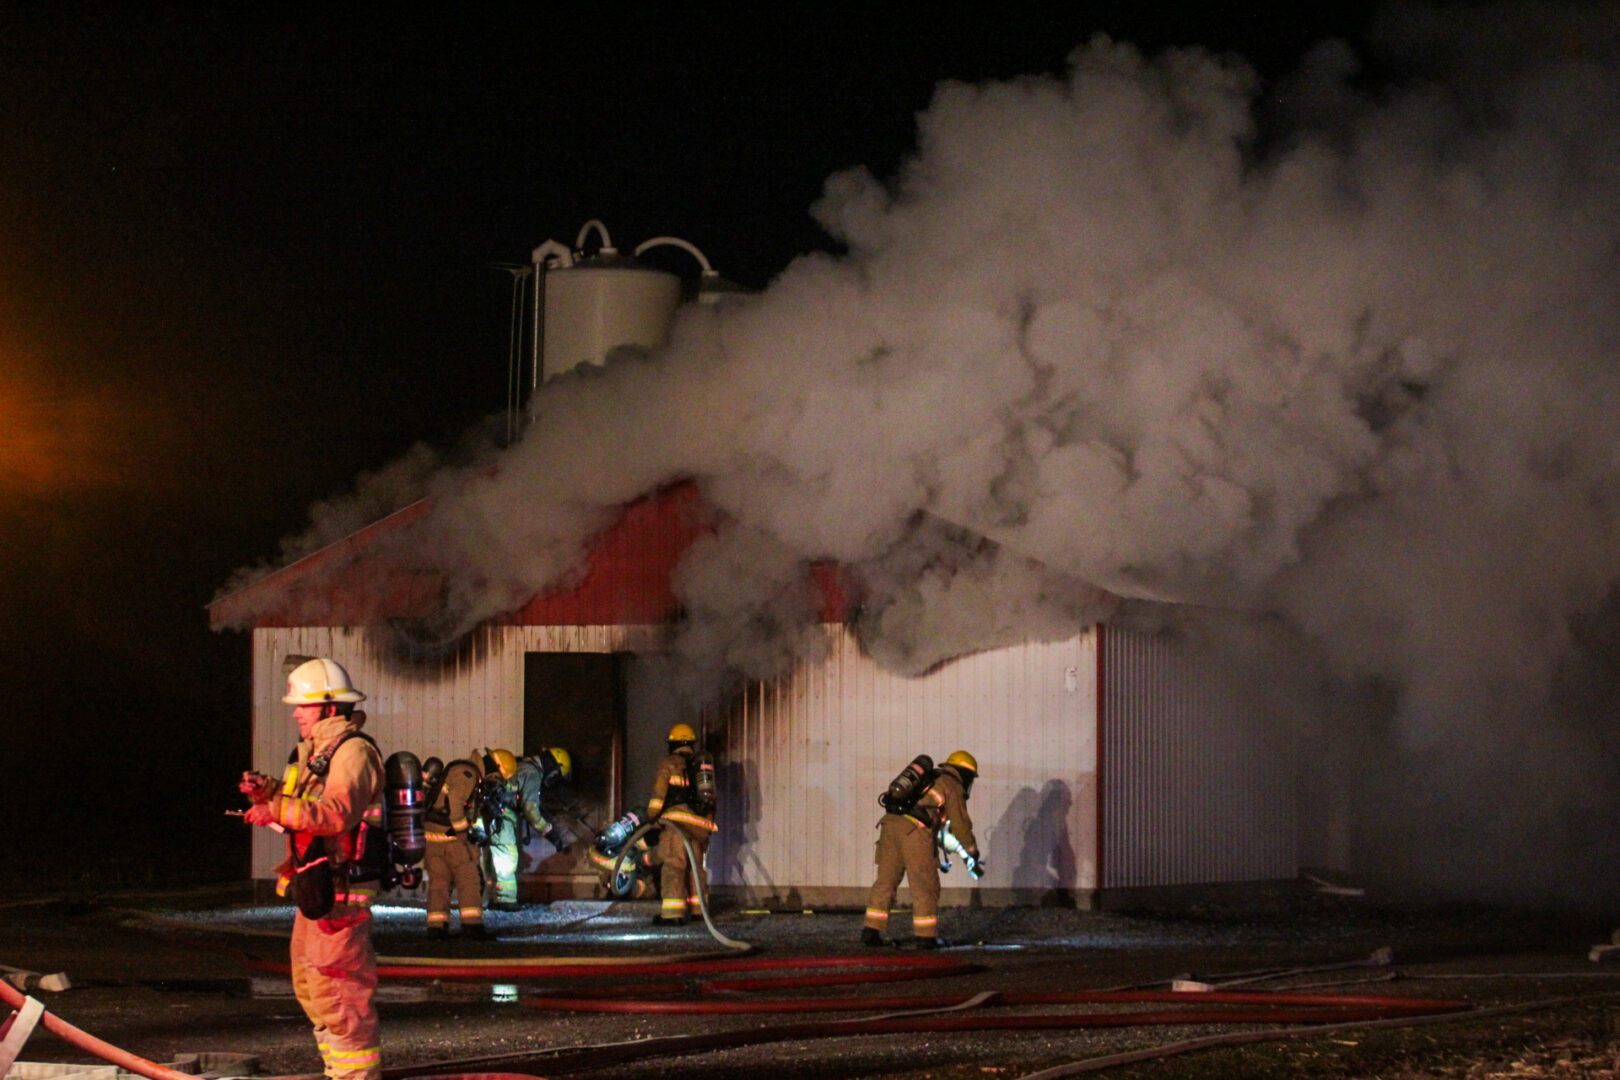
(1197, 777)
(1195, 787)
(805, 756)
(473, 698)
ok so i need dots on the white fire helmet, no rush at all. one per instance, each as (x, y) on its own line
(316, 681)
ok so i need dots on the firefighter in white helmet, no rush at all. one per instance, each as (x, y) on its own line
(333, 784)
(933, 804)
(683, 802)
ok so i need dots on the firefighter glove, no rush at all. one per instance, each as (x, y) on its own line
(256, 786)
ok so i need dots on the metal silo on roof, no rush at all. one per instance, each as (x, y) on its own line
(594, 303)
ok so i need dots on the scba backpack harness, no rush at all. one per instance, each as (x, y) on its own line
(385, 851)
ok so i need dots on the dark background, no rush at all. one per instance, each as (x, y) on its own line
(245, 259)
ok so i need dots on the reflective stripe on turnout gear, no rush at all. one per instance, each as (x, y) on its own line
(687, 817)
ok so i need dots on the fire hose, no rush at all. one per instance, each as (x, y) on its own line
(87, 1042)
(692, 863)
(919, 1013)
(892, 967)
(946, 1013)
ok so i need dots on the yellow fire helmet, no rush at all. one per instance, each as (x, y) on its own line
(501, 761)
(564, 760)
(964, 760)
(317, 681)
(682, 733)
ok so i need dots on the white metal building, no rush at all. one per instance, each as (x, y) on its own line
(1110, 760)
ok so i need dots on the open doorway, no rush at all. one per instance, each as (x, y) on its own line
(576, 701)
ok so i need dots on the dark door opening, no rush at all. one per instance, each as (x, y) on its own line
(576, 701)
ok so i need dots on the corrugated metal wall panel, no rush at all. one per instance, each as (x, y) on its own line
(818, 745)
(1197, 781)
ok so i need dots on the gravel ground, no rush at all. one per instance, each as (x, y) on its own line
(165, 975)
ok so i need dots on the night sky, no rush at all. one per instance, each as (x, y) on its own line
(244, 260)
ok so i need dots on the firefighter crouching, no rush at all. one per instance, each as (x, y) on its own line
(683, 803)
(921, 805)
(629, 878)
(329, 803)
(452, 860)
(536, 787)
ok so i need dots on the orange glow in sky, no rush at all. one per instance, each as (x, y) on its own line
(54, 439)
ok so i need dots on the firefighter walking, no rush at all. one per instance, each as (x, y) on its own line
(683, 803)
(331, 791)
(452, 860)
(933, 805)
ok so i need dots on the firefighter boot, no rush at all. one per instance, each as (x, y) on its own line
(871, 937)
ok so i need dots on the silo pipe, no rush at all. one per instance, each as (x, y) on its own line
(585, 230)
(685, 245)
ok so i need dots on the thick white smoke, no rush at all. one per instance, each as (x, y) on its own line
(1113, 330)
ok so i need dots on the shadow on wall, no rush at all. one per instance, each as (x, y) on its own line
(732, 850)
(1036, 825)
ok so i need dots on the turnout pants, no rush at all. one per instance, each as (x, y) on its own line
(905, 849)
(504, 853)
(334, 975)
(681, 884)
(451, 863)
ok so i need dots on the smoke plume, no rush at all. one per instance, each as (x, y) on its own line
(1338, 353)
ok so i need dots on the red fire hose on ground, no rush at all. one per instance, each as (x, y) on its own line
(87, 1042)
(898, 1014)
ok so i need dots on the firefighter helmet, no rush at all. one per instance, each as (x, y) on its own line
(964, 760)
(563, 759)
(682, 735)
(500, 761)
(317, 681)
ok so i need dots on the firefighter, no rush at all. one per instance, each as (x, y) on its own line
(453, 860)
(633, 879)
(537, 783)
(332, 789)
(905, 848)
(503, 845)
(683, 803)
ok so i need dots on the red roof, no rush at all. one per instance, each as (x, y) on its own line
(361, 579)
